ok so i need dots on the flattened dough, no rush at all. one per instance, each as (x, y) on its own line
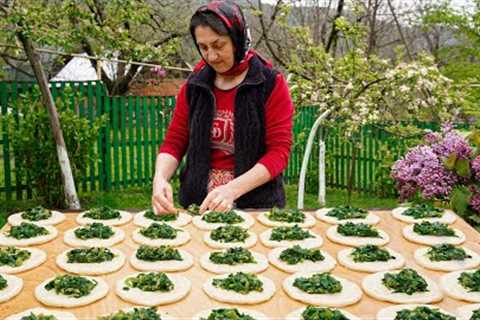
(91, 268)
(334, 236)
(248, 222)
(306, 266)
(182, 220)
(124, 218)
(260, 265)
(314, 242)
(37, 258)
(307, 223)
(56, 218)
(344, 258)
(321, 214)
(432, 240)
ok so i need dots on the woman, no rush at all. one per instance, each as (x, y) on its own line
(233, 119)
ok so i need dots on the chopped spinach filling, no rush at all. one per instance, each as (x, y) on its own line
(446, 252)
(433, 229)
(318, 313)
(318, 283)
(135, 314)
(36, 214)
(159, 231)
(240, 282)
(230, 217)
(286, 215)
(422, 313)
(347, 213)
(102, 213)
(370, 253)
(406, 281)
(149, 214)
(290, 233)
(423, 211)
(72, 286)
(297, 254)
(94, 230)
(161, 253)
(13, 257)
(152, 281)
(229, 233)
(363, 230)
(232, 256)
(90, 255)
(27, 231)
(227, 314)
(470, 280)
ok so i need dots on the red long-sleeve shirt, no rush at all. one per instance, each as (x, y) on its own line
(278, 125)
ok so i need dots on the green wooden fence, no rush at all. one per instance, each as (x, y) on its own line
(136, 126)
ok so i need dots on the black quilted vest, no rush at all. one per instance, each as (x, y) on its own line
(249, 136)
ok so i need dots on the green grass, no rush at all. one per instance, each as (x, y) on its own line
(140, 198)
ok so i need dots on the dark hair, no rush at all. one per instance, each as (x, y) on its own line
(207, 19)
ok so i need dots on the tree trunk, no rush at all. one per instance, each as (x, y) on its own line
(67, 176)
(332, 39)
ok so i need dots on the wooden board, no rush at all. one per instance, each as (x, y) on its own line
(197, 300)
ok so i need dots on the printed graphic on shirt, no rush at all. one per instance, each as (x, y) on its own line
(222, 131)
(219, 177)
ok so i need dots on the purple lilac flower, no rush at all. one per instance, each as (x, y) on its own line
(475, 202)
(422, 169)
(453, 142)
(475, 164)
(432, 137)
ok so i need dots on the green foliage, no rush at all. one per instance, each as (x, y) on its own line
(13, 257)
(406, 281)
(38, 162)
(347, 212)
(318, 313)
(433, 229)
(149, 214)
(232, 256)
(297, 254)
(90, 255)
(36, 214)
(102, 213)
(470, 280)
(422, 313)
(370, 253)
(135, 314)
(3, 283)
(318, 283)
(423, 211)
(161, 253)
(152, 281)
(289, 233)
(240, 282)
(229, 233)
(72, 286)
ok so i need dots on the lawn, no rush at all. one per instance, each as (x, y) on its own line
(139, 198)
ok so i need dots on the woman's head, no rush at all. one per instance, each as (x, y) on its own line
(219, 32)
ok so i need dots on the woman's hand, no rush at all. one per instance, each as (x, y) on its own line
(162, 197)
(219, 199)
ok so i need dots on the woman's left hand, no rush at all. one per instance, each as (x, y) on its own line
(219, 199)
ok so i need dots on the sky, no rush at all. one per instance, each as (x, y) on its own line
(457, 3)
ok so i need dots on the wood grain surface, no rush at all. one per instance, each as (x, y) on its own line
(279, 306)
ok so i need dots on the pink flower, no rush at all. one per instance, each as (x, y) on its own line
(159, 71)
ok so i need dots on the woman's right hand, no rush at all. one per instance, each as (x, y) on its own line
(162, 197)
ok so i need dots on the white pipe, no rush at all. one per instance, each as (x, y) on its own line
(321, 173)
(306, 158)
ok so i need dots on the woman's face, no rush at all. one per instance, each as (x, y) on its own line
(217, 50)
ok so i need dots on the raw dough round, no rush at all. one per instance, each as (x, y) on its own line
(260, 265)
(321, 214)
(296, 315)
(306, 266)
(466, 312)
(182, 220)
(91, 268)
(247, 223)
(124, 218)
(344, 258)
(432, 240)
(10, 241)
(14, 286)
(37, 258)
(422, 259)
(334, 236)
(181, 238)
(314, 242)
(56, 218)
(231, 296)
(447, 217)
(254, 314)
(248, 243)
(350, 294)
(181, 288)
(50, 298)
(307, 223)
(42, 311)
(373, 286)
(70, 239)
(455, 290)
(389, 313)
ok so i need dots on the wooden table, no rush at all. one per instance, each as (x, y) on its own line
(197, 300)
